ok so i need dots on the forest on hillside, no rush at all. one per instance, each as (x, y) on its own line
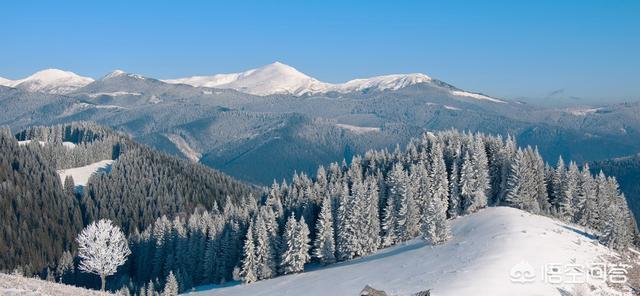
(42, 214)
(194, 226)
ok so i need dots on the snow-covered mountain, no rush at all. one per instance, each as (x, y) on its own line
(497, 251)
(278, 78)
(51, 81)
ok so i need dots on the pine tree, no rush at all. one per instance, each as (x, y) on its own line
(265, 253)
(296, 253)
(389, 223)
(566, 202)
(248, 271)
(557, 185)
(324, 244)
(467, 185)
(171, 287)
(521, 187)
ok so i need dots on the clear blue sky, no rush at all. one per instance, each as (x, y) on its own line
(502, 48)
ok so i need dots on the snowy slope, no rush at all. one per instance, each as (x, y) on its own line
(81, 175)
(52, 81)
(486, 248)
(278, 78)
(16, 285)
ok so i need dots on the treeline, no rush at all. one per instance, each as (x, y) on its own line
(377, 200)
(40, 215)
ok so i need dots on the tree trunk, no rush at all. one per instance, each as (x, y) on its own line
(104, 281)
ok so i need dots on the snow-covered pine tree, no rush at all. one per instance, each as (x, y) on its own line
(296, 253)
(520, 186)
(171, 287)
(398, 190)
(454, 190)
(347, 244)
(389, 223)
(481, 170)
(248, 270)
(371, 235)
(584, 203)
(540, 181)
(265, 253)
(438, 179)
(467, 184)
(324, 244)
(557, 185)
(566, 203)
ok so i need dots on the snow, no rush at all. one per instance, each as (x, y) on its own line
(119, 73)
(460, 93)
(68, 145)
(114, 94)
(582, 111)
(11, 285)
(81, 175)
(278, 78)
(451, 108)
(358, 129)
(486, 248)
(5, 82)
(184, 147)
(26, 142)
(52, 81)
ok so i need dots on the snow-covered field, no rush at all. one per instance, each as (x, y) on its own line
(358, 129)
(11, 285)
(497, 251)
(81, 175)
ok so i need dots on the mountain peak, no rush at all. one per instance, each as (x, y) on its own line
(53, 81)
(120, 73)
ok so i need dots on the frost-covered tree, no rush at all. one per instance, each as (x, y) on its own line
(521, 187)
(248, 270)
(324, 244)
(171, 287)
(102, 248)
(296, 253)
(265, 252)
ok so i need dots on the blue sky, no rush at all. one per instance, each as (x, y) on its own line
(502, 48)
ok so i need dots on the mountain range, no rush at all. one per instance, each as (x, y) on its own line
(275, 78)
(277, 117)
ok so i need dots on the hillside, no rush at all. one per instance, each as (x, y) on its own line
(486, 248)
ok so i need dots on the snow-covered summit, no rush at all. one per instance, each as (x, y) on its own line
(279, 78)
(50, 81)
(120, 73)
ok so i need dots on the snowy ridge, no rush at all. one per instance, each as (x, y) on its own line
(52, 81)
(487, 255)
(5, 82)
(82, 174)
(475, 96)
(278, 78)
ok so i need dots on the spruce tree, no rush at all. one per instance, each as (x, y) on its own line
(248, 271)
(324, 244)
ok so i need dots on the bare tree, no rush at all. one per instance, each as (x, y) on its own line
(102, 248)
